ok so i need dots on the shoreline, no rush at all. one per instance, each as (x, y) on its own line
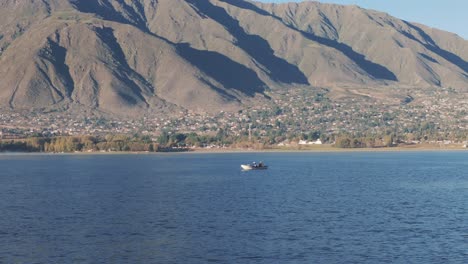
(321, 149)
(330, 150)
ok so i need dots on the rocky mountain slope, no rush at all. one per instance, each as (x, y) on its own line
(129, 56)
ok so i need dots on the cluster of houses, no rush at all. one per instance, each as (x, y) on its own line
(293, 113)
(301, 142)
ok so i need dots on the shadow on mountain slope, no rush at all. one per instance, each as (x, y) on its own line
(432, 46)
(125, 73)
(227, 72)
(105, 10)
(373, 69)
(58, 55)
(258, 48)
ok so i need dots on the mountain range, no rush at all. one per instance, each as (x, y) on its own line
(127, 56)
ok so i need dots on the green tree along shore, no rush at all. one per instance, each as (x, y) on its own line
(170, 141)
(78, 144)
(108, 143)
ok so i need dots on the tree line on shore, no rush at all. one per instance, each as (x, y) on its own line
(170, 141)
(78, 144)
(109, 143)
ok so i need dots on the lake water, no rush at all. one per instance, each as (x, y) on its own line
(409, 207)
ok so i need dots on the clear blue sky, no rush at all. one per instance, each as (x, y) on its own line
(449, 15)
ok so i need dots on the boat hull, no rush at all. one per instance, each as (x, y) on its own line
(250, 167)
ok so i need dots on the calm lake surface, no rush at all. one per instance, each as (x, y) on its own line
(409, 207)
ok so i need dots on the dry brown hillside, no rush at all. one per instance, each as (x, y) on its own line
(124, 57)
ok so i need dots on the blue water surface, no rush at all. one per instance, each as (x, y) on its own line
(409, 207)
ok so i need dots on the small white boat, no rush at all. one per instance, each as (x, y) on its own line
(259, 166)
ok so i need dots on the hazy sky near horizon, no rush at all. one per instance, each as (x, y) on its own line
(449, 15)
